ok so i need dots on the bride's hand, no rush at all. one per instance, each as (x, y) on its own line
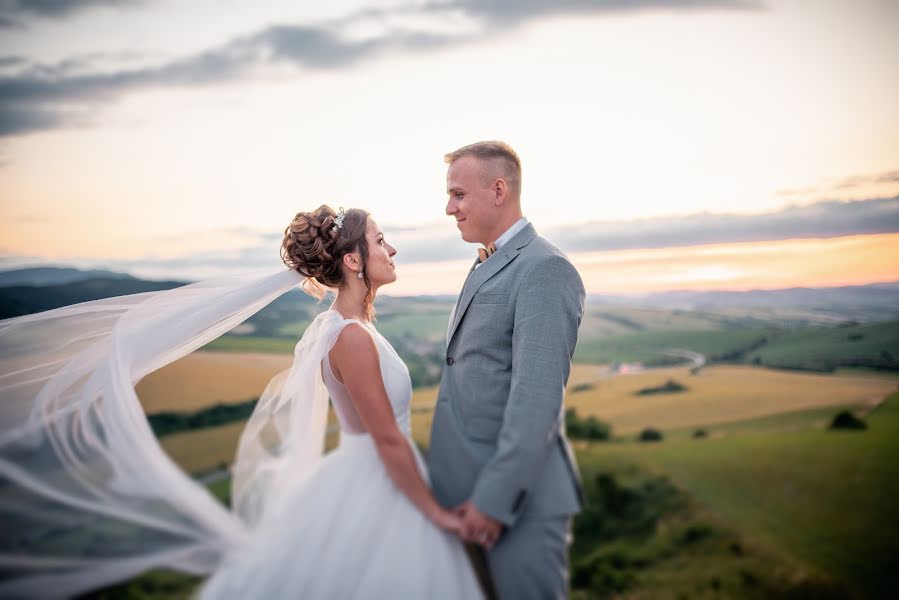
(449, 522)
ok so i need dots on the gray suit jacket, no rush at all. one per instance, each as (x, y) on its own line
(498, 436)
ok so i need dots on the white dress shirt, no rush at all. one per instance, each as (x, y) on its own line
(508, 235)
(500, 241)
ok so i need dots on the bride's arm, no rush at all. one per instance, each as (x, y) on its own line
(354, 360)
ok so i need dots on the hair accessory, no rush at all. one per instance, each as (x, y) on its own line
(338, 220)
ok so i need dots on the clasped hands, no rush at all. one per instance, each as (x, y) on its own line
(476, 527)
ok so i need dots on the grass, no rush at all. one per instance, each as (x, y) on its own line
(812, 418)
(426, 325)
(642, 537)
(252, 343)
(646, 346)
(818, 499)
(642, 335)
(825, 348)
(605, 321)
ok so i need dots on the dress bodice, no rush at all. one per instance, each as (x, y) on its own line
(396, 382)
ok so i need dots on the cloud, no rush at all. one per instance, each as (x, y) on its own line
(843, 185)
(862, 180)
(518, 11)
(40, 96)
(16, 13)
(16, 119)
(12, 61)
(821, 220)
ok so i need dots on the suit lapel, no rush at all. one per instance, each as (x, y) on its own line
(491, 267)
(449, 326)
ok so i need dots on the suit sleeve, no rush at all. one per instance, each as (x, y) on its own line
(548, 312)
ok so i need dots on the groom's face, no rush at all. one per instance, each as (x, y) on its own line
(470, 201)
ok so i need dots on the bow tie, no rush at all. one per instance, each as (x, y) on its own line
(484, 253)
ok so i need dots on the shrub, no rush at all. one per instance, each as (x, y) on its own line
(694, 533)
(700, 433)
(590, 428)
(650, 435)
(846, 420)
(669, 387)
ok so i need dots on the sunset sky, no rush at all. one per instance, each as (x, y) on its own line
(666, 144)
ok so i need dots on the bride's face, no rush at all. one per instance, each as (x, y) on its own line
(380, 268)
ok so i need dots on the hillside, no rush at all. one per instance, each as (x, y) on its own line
(806, 329)
(26, 299)
(55, 276)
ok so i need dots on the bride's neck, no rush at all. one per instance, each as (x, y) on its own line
(350, 301)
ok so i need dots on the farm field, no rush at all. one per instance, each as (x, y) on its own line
(206, 450)
(202, 379)
(717, 394)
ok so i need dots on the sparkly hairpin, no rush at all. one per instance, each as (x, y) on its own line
(338, 220)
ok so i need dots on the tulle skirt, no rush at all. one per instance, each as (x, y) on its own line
(347, 532)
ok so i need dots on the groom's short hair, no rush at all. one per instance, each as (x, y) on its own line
(499, 155)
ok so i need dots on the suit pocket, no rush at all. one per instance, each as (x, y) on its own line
(486, 298)
(483, 429)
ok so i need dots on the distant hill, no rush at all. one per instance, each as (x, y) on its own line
(26, 299)
(864, 303)
(55, 276)
(809, 329)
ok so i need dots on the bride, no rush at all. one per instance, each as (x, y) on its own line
(90, 498)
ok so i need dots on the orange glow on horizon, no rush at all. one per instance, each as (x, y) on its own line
(830, 262)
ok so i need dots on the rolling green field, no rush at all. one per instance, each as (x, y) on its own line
(614, 334)
(646, 346)
(824, 348)
(252, 343)
(815, 501)
(427, 323)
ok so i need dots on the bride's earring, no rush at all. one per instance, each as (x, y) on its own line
(359, 275)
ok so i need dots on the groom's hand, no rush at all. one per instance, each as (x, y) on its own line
(477, 527)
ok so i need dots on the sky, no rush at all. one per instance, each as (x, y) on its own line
(666, 144)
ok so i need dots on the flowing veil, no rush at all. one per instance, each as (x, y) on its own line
(87, 495)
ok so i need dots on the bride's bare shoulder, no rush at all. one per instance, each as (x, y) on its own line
(354, 350)
(355, 335)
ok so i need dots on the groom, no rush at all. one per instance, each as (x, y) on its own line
(498, 449)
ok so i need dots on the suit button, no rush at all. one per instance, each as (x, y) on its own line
(449, 360)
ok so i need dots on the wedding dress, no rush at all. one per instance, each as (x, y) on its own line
(89, 498)
(347, 531)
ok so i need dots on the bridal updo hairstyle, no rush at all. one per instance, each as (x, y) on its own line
(315, 249)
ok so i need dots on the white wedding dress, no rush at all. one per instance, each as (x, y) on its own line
(88, 497)
(346, 531)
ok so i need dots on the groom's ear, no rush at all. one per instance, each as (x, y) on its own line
(501, 191)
